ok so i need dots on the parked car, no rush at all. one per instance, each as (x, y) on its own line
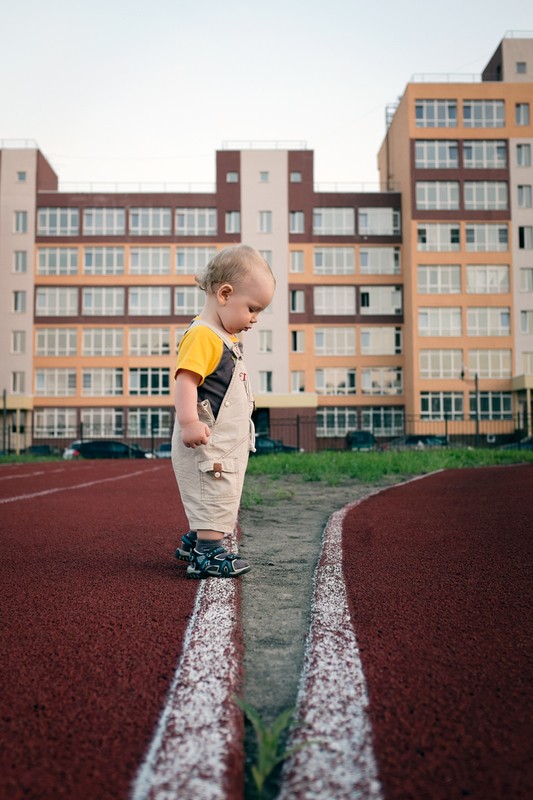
(41, 450)
(361, 440)
(164, 450)
(417, 441)
(109, 448)
(72, 450)
(264, 446)
(525, 444)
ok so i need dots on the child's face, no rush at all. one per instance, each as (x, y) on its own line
(240, 307)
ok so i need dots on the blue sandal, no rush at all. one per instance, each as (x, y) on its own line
(188, 543)
(216, 563)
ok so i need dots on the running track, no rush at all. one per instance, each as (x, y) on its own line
(95, 615)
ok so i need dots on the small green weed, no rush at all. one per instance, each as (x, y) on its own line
(269, 740)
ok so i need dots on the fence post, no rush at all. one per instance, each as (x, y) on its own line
(81, 431)
(298, 432)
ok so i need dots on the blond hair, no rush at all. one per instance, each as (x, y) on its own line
(231, 265)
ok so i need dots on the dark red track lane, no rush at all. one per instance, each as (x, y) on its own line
(93, 614)
(439, 577)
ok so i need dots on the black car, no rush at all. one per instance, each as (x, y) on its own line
(361, 440)
(109, 448)
(264, 446)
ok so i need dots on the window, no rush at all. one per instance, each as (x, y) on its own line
(334, 261)
(522, 113)
(264, 176)
(335, 381)
(56, 342)
(150, 222)
(296, 222)
(55, 301)
(57, 261)
(265, 341)
(381, 341)
(20, 222)
(488, 322)
(439, 322)
(102, 382)
(334, 300)
(485, 195)
(521, 68)
(332, 341)
(21, 177)
(103, 261)
(483, 113)
(192, 260)
(148, 421)
(188, 300)
(196, 221)
(526, 321)
(441, 405)
(102, 421)
(18, 382)
(296, 263)
(297, 381)
(102, 301)
(103, 342)
(381, 300)
(440, 364)
(151, 301)
(383, 420)
(104, 222)
(297, 341)
(149, 381)
(149, 342)
(490, 363)
(55, 422)
(20, 262)
(525, 237)
(492, 405)
(19, 302)
(297, 301)
(487, 279)
(58, 222)
(265, 381)
(60, 382)
(381, 380)
(265, 222)
(524, 196)
(295, 177)
(486, 238)
(439, 279)
(232, 177)
(436, 154)
(438, 237)
(379, 222)
(379, 261)
(436, 113)
(150, 261)
(523, 155)
(527, 363)
(334, 221)
(335, 421)
(484, 154)
(440, 195)
(18, 342)
(526, 279)
(233, 222)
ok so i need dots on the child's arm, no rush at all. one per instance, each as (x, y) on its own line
(193, 432)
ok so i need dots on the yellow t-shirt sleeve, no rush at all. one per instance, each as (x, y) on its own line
(199, 351)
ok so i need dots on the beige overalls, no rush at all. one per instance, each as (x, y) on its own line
(210, 477)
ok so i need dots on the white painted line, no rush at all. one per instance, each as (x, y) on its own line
(332, 701)
(188, 756)
(31, 474)
(72, 488)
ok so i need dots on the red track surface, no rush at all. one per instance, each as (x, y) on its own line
(439, 582)
(93, 614)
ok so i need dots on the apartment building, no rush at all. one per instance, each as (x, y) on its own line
(460, 152)
(395, 309)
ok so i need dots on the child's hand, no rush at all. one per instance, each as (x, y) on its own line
(195, 433)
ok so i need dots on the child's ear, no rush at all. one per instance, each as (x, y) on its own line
(224, 292)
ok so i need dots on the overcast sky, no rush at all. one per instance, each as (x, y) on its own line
(123, 90)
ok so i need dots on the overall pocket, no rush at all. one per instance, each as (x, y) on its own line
(220, 480)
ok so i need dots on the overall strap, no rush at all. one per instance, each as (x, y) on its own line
(235, 347)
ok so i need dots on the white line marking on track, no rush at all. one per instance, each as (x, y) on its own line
(31, 474)
(71, 488)
(188, 756)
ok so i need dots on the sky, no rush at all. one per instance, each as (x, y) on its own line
(122, 91)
